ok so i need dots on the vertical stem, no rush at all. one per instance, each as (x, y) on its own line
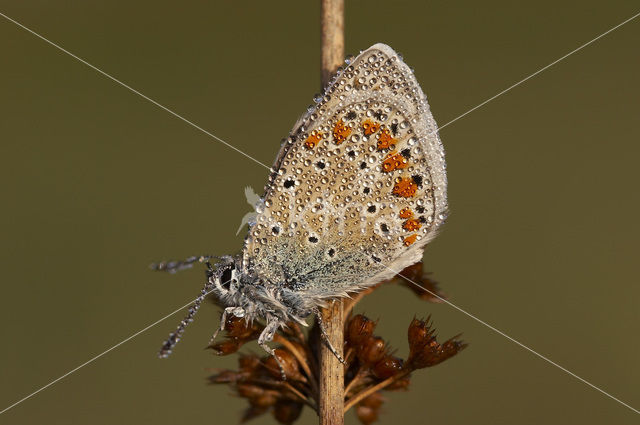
(331, 397)
(331, 381)
(332, 37)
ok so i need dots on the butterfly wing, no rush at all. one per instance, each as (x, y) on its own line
(358, 188)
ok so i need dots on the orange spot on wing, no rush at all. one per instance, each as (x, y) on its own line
(406, 213)
(405, 188)
(394, 161)
(409, 240)
(385, 140)
(411, 225)
(340, 132)
(370, 127)
(313, 139)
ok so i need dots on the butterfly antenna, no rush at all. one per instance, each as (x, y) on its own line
(176, 266)
(174, 337)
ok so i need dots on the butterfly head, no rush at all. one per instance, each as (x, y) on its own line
(225, 279)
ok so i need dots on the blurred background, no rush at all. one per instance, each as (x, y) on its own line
(97, 183)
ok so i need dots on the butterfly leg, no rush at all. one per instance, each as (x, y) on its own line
(325, 337)
(236, 311)
(267, 336)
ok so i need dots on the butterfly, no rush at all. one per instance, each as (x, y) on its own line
(356, 192)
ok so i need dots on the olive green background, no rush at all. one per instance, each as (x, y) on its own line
(96, 183)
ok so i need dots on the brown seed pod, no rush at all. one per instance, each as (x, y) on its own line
(225, 377)
(371, 350)
(287, 412)
(375, 400)
(419, 333)
(267, 398)
(248, 363)
(289, 364)
(253, 412)
(387, 367)
(368, 409)
(424, 349)
(358, 329)
(238, 332)
(226, 347)
(366, 415)
(238, 327)
(257, 395)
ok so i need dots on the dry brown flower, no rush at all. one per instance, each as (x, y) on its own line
(368, 409)
(370, 366)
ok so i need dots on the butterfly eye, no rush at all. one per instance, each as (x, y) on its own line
(225, 278)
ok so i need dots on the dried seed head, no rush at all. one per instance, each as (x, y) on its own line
(289, 365)
(257, 396)
(237, 327)
(266, 399)
(253, 412)
(226, 347)
(359, 328)
(366, 415)
(371, 351)
(369, 362)
(419, 333)
(387, 367)
(249, 363)
(368, 409)
(287, 412)
(424, 349)
(238, 333)
(225, 377)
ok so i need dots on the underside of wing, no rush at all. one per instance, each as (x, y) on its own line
(358, 188)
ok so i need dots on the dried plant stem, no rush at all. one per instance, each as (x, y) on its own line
(331, 395)
(332, 37)
(367, 392)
